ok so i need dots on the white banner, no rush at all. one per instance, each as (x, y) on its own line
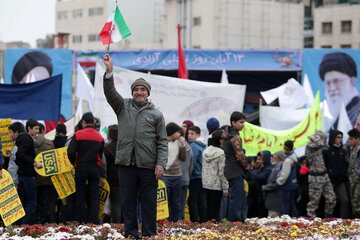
(177, 99)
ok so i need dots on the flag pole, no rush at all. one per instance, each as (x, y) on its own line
(112, 22)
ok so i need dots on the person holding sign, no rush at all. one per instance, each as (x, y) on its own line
(25, 159)
(142, 151)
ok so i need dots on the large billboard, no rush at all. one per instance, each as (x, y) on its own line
(29, 65)
(334, 72)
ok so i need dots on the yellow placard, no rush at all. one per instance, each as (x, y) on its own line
(162, 202)
(257, 139)
(104, 192)
(6, 141)
(11, 208)
(64, 183)
(54, 161)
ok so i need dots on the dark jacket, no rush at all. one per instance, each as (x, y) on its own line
(142, 134)
(25, 155)
(335, 160)
(86, 148)
(261, 175)
(112, 168)
(233, 167)
(198, 148)
(42, 144)
(60, 140)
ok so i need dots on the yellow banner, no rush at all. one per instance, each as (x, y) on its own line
(54, 161)
(104, 192)
(11, 208)
(162, 202)
(64, 183)
(257, 139)
(6, 141)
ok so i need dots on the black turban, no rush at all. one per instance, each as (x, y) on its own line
(337, 61)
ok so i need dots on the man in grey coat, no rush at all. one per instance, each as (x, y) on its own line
(142, 151)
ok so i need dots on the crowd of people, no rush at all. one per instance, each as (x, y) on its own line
(216, 179)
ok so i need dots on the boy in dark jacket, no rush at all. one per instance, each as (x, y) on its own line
(336, 165)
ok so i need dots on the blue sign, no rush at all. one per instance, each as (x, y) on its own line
(196, 59)
(29, 65)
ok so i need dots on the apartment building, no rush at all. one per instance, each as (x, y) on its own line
(84, 19)
(337, 26)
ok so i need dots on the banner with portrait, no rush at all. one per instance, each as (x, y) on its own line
(31, 65)
(334, 72)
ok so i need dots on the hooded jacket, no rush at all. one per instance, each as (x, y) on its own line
(335, 160)
(261, 175)
(213, 169)
(197, 147)
(273, 196)
(141, 130)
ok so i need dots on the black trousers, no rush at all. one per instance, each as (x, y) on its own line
(135, 180)
(213, 202)
(197, 201)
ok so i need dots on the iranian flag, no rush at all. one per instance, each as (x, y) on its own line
(115, 27)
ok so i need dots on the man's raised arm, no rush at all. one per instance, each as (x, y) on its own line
(115, 100)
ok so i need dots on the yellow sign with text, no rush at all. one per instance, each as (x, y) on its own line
(162, 202)
(64, 183)
(11, 208)
(257, 139)
(104, 192)
(6, 141)
(54, 161)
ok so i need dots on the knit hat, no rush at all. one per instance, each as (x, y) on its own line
(113, 132)
(141, 82)
(212, 124)
(172, 128)
(280, 154)
(337, 61)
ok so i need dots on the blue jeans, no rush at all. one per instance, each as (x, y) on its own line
(237, 199)
(288, 204)
(197, 201)
(184, 190)
(173, 189)
(28, 197)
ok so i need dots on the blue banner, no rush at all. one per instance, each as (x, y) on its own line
(29, 65)
(40, 100)
(198, 59)
(333, 72)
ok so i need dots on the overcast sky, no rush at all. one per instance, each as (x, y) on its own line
(26, 20)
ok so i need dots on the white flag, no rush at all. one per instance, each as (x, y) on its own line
(224, 77)
(308, 90)
(84, 88)
(293, 95)
(79, 110)
(344, 124)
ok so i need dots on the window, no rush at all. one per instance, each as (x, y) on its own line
(345, 46)
(197, 21)
(326, 28)
(94, 37)
(62, 15)
(77, 13)
(326, 46)
(77, 39)
(346, 26)
(95, 11)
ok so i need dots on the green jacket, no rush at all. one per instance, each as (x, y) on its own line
(141, 129)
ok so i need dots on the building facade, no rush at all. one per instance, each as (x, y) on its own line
(84, 19)
(244, 24)
(337, 26)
